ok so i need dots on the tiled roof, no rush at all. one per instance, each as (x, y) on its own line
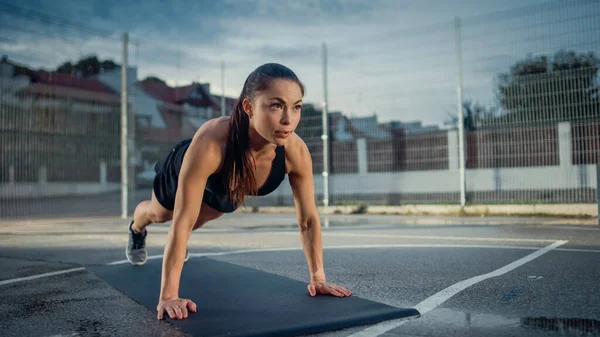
(70, 81)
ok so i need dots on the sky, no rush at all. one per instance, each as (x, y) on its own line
(393, 58)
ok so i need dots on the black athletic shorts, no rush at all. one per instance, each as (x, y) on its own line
(167, 174)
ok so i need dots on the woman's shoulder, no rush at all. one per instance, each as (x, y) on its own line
(213, 131)
(210, 140)
(297, 153)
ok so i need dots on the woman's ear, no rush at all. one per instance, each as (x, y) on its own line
(247, 107)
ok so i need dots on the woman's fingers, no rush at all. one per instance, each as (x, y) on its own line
(344, 290)
(312, 290)
(176, 308)
(191, 306)
(326, 288)
(339, 291)
(336, 291)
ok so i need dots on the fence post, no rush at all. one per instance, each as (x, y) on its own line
(325, 135)
(598, 190)
(362, 156)
(103, 172)
(452, 150)
(461, 134)
(11, 174)
(565, 144)
(43, 175)
(124, 133)
(223, 88)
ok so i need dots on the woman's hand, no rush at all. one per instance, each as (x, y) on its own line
(321, 287)
(176, 308)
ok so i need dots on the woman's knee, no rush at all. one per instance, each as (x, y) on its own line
(159, 217)
(157, 213)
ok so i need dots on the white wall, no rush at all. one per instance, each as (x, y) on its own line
(54, 189)
(147, 106)
(562, 176)
(143, 104)
(491, 180)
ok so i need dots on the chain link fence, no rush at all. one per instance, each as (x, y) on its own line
(60, 127)
(535, 138)
(526, 81)
(523, 84)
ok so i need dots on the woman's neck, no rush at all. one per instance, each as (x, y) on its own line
(258, 145)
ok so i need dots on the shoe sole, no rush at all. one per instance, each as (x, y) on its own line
(134, 263)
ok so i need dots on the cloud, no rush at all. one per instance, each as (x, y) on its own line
(396, 58)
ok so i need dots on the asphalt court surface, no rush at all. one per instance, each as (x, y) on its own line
(495, 278)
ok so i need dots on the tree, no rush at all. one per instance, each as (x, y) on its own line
(537, 89)
(87, 66)
(154, 79)
(475, 115)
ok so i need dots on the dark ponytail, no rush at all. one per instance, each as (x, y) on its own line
(239, 163)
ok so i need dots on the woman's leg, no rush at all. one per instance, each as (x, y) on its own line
(146, 212)
(150, 211)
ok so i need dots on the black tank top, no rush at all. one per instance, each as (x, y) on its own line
(215, 193)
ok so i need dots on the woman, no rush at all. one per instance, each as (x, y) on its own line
(229, 158)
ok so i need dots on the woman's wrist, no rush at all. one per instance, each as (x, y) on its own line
(318, 278)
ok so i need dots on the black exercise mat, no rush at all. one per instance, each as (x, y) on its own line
(238, 301)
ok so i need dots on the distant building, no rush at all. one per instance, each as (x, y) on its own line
(407, 128)
(56, 127)
(368, 127)
(310, 128)
(90, 108)
(340, 127)
(165, 114)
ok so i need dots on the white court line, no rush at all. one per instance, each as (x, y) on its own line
(435, 300)
(281, 249)
(578, 250)
(461, 238)
(33, 277)
(152, 257)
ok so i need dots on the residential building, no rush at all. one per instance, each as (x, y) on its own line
(56, 127)
(67, 121)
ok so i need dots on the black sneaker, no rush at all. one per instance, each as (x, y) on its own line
(136, 247)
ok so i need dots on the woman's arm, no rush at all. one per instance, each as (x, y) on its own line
(302, 183)
(309, 223)
(201, 160)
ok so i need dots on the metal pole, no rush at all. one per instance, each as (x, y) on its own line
(124, 148)
(222, 88)
(598, 190)
(325, 135)
(461, 137)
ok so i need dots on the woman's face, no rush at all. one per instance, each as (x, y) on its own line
(275, 111)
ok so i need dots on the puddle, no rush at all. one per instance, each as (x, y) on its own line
(563, 326)
(557, 326)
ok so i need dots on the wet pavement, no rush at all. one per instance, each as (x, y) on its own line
(382, 258)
